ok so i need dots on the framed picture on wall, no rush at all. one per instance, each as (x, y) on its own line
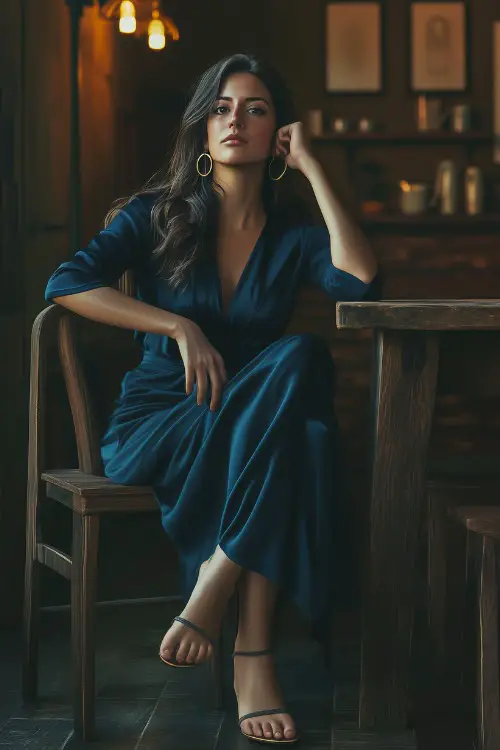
(438, 35)
(353, 49)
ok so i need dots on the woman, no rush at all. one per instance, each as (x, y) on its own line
(229, 420)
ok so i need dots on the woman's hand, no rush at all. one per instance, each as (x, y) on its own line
(292, 145)
(200, 357)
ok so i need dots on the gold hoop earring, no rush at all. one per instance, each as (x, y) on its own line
(281, 175)
(204, 174)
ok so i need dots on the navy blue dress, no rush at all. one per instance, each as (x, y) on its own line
(260, 476)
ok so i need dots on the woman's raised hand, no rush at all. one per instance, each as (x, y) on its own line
(292, 144)
(201, 360)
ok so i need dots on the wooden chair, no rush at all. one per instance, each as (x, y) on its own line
(483, 523)
(88, 494)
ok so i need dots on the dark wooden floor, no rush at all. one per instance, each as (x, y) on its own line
(144, 705)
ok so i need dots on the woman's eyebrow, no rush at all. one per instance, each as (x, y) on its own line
(248, 99)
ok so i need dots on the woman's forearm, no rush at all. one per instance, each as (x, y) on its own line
(107, 305)
(351, 251)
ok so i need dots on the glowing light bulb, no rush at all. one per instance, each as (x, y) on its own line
(127, 23)
(156, 33)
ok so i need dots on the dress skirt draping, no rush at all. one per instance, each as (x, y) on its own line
(262, 475)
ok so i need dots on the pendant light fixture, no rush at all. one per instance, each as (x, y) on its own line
(128, 13)
(142, 18)
(156, 29)
(128, 23)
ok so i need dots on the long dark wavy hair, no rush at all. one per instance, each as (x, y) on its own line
(184, 214)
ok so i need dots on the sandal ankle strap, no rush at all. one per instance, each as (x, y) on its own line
(253, 653)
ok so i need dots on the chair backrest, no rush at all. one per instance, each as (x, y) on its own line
(41, 332)
(57, 322)
(82, 409)
(84, 419)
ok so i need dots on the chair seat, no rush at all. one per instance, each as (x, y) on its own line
(483, 520)
(88, 493)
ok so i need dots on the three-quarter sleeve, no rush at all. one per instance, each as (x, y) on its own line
(118, 247)
(319, 270)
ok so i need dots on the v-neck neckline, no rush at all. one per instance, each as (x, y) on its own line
(225, 313)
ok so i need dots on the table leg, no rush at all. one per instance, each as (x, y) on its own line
(404, 390)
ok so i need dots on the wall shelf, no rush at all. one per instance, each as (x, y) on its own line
(436, 137)
(434, 221)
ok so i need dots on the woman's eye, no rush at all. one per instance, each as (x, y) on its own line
(222, 110)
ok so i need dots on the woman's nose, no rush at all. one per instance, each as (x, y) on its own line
(236, 119)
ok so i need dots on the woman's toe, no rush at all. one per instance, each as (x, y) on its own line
(268, 730)
(200, 656)
(251, 728)
(289, 732)
(166, 649)
(277, 730)
(168, 645)
(192, 654)
(182, 651)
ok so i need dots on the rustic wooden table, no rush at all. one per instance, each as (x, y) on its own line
(406, 364)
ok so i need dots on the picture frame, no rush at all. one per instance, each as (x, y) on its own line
(439, 46)
(354, 34)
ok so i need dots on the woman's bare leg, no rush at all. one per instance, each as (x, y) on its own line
(205, 608)
(255, 680)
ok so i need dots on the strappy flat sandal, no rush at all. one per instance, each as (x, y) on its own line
(188, 624)
(270, 712)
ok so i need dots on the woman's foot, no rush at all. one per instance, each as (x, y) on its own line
(256, 688)
(205, 608)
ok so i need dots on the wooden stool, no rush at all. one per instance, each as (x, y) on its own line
(484, 523)
(447, 556)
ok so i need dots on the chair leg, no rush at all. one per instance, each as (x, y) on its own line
(447, 582)
(83, 595)
(488, 669)
(31, 621)
(468, 656)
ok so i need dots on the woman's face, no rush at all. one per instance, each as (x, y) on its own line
(243, 109)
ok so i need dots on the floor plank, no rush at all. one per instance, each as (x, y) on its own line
(145, 705)
(34, 734)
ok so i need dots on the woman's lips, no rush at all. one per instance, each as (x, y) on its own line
(234, 142)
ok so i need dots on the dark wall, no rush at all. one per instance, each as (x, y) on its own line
(34, 95)
(291, 34)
